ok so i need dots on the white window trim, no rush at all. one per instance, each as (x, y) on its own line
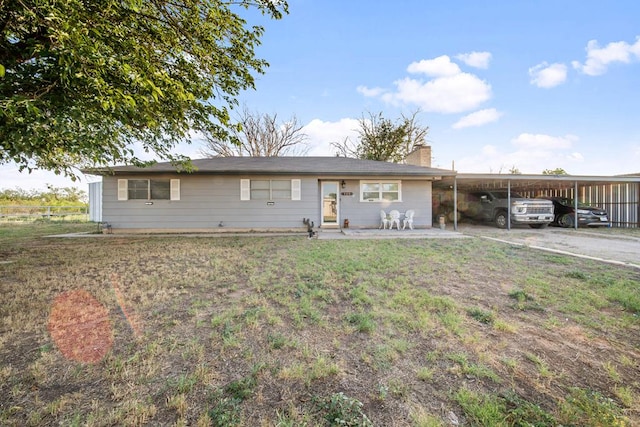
(245, 189)
(174, 189)
(380, 199)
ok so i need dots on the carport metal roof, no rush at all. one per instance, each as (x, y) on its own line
(518, 182)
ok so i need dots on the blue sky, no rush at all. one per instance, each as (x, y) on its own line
(527, 84)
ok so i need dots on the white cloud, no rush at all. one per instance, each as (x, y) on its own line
(492, 159)
(478, 118)
(321, 134)
(541, 141)
(452, 94)
(599, 58)
(370, 92)
(437, 67)
(575, 156)
(475, 59)
(529, 153)
(547, 76)
(449, 91)
(489, 150)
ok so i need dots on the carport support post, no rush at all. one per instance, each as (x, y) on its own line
(575, 205)
(455, 204)
(509, 204)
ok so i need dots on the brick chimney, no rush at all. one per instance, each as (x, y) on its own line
(420, 156)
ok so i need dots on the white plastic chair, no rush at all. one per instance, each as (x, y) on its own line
(384, 221)
(395, 219)
(408, 219)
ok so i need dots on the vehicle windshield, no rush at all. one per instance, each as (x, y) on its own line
(505, 194)
(570, 202)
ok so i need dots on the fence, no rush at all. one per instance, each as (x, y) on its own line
(30, 213)
(620, 200)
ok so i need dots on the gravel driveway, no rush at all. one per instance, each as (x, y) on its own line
(619, 246)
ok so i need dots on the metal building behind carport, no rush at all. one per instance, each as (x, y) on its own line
(619, 195)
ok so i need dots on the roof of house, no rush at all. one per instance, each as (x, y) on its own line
(326, 166)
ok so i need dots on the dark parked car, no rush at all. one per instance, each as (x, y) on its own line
(564, 210)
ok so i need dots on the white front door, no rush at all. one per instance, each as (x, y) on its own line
(330, 203)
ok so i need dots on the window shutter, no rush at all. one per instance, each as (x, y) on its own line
(123, 191)
(245, 189)
(295, 189)
(175, 189)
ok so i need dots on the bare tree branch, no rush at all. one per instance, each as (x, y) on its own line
(346, 148)
(261, 136)
(416, 134)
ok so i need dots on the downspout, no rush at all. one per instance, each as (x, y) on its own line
(509, 204)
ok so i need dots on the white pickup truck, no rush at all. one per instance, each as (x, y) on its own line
(492, 205)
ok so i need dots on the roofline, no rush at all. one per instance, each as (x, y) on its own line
(407, 175)
(429, 172)
(556, 178)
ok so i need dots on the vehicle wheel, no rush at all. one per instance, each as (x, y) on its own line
(501, 219)
(566, 221)
(538, 225)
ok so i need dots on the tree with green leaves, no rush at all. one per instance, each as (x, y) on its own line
(380, 138)
(514, 170)
(53, 196)
(260, 135)
(81, 81)
(556, 171)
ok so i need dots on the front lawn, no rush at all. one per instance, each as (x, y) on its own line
(288, 331)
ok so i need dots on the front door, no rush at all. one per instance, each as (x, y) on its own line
(330, 204)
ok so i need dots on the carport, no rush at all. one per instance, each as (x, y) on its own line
(619, 195)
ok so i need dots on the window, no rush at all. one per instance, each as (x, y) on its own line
(138, 189)
(281, 189)
(159, 189)
(377, 191)
(260, 190)
(270, 189)
(148, 189)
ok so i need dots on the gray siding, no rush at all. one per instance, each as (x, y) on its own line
(416, 195)
(208, 200)
(205, 202)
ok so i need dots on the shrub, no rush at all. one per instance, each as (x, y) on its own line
(342, 410)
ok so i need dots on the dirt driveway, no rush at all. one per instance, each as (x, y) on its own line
(617, 246)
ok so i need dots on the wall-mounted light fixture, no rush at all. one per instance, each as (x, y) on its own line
(343, 184)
